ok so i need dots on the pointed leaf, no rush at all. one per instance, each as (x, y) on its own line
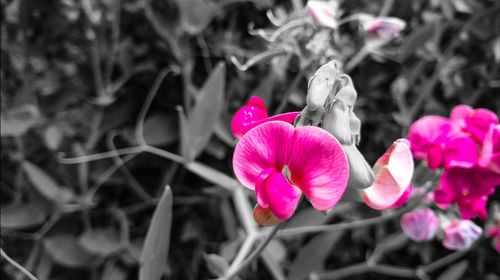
(195, 15)
(207, 110)
(46, 185)
(454, 272)
(21, 216)
(155, 251)
(65, 250)
(160, 130)
(216, 264)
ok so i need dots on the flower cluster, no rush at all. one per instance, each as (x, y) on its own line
(467, 147)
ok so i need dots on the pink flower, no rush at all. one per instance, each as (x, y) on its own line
(280, 162)
(254, 114)
(490, 152)
(460, 234)
(476, 122)
(323, 12)
(469, 187)
(393, 172)
(441, 142)
(384, 28)
(494, 231)
(420, 225)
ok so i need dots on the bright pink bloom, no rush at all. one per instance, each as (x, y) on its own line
(494, 231)
(322, 12)
(393, 172)
(441, 142)
(281, 162)
(385, 28)
(472, 207)
(476, 122)
(490, 152)
(254, 114)
(460, 234)
(420, 225)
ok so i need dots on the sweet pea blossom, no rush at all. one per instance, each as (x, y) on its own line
(323, 12)
(393, 172)
(460, 234)
(420, 225)
(254, 114)
(476, 122)
(490, 152)
(494, 231)
(385, 28)
(280, 162)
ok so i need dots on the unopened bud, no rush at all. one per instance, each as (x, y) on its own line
(360, 173)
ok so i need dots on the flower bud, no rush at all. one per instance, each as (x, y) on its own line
(360, 172)
(337, 121)
(420, 225)
(460, 234)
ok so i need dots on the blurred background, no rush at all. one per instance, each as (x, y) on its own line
(92, 76)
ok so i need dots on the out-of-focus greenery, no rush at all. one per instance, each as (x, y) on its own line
(75, 75)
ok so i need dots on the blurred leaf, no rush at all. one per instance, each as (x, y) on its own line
(17, 121)
(155, 251)
(185, 137)
(455, 271)
(206, 112)
(272, 264)
(418, 38)
(21, 216)
(195, 15)
(306, 217)
(102, 241)
(161, 130)
(216, 264)
(46, 185)
(53, 137)
(65, 250)
(113, 272)
(313, 254)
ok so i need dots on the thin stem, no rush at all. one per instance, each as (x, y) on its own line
(254, 254)
(165, 154)
(290, 89)
(18, 266)
(354, 269)
(386, 8)
(105, 155)
(356, 59)
(446, 260)
(139, 128)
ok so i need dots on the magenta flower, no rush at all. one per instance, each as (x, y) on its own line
(490, 152)
(322, 12)
(254, 114)
(441, 142)
(384, 28)
(494, 231)
(460, 234)
(420, 225)
(476, 122)
(280, 162)
(469, 187)
(393, 172)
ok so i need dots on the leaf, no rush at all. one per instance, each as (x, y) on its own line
(186, 139)
(102, 241)
(455, 271)
(417, 39)
(18, 120)
(46, 185)
(313, 254)
(216, 264)
(160, 130)
(65, 250)
(21, 216)
(155, 251)
(195, 15)
(53, 137)
(206, 112)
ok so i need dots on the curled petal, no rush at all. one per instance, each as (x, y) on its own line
(322, 12)
(385, 28)
(420, 225)
(404, 197)
(264, 216)
(281, 196)
(393, 172)
(261, 148)
(318, 166)
(460, 234)
(490, 152)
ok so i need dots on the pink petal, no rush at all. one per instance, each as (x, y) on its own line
(490, 152)
(470, 208)
(385, 28)
(318, 165)
(262, 148)
(420, 225)
(281, 196)
(493, 231)
(460, 113)
(242, 121)
(460, 234)
(393, 173)
(322, 12)
(460, 152)
(404, 197)
(479, 123)
(264, 216)
(435, 157)
(469, 182)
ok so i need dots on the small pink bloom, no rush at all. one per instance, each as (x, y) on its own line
(323, 12)
(476, 122)
(490, 152)
(393, 172)
(472, 207)
(460, 234)
(254, 114)
(494, 231)
(420, 225)
(385, 28)
(281, 162)
(441, 142)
